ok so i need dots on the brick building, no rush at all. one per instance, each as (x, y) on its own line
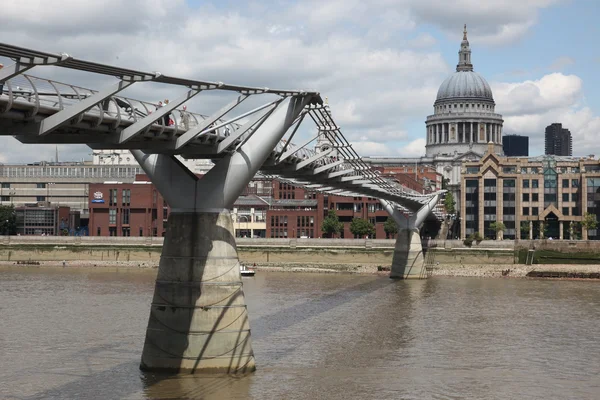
(267, 208)
(127, 209)
(295, 212)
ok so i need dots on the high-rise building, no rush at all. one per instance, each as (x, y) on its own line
(515, 145)
(558, 140)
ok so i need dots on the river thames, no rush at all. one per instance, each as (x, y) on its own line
(78, 334)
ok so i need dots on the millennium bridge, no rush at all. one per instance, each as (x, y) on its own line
(198, 319)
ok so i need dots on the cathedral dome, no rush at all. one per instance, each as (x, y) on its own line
(465, 85)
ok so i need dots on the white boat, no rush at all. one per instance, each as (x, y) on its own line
(245, 271)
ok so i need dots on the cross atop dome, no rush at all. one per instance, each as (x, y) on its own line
(464, 54)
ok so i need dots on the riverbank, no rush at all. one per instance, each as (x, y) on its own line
(469, 270)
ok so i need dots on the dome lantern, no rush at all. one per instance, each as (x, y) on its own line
(464, 54)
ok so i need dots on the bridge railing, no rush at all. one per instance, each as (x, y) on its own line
(40, 92)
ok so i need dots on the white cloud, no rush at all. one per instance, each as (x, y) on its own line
(378, 70)
(416, 148)
(529, 106)
(530, 97)
(489, 22)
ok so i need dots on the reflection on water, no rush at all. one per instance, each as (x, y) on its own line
(78, 334)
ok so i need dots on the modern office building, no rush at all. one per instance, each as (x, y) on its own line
(515, 145)
(558, 140)
(535, 197)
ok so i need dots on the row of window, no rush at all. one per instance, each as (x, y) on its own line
(91, 171)
(125, 231)
(461, 105)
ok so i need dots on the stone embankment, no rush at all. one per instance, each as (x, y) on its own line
(510, 270)
(448, 258)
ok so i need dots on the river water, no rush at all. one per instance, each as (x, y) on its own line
(78, 334)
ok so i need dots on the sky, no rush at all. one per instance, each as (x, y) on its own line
(379, 63)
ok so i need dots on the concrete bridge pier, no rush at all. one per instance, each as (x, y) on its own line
(198, 318)
(408, 261)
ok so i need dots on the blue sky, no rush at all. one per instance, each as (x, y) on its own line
(380, 64)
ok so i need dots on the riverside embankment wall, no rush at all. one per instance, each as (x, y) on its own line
(366, 252)
(147, 251)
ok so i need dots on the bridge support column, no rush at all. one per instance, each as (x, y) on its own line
(198, 320)
(408, 261)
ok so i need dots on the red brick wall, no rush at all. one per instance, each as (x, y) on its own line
(145, 210)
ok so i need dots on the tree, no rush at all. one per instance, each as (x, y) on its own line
(361, 227)
(331, 224)
(390, 227)
(499, 228)
(524, 230)
(589, 221)
(449, 203)
(8, 220)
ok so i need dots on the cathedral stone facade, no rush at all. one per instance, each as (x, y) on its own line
(462, 126)
(464, 119)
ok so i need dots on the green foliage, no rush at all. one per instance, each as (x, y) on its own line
(498, 226)
(449, 203)
(477, 237)
(525, 230)
(8, 220)
(468, 241)
(361, 227)
(589, 221)
(331, 224)
(390, 226)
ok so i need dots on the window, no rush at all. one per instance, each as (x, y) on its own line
(534, 211)
(112, 216)
(41, 186)
(574, 183)
(141, 232)
(40, 198)
(575, 211)
(565, 197)
(165, 213)
(5, 198)
(99, 232)
(112, 197)
(5, 185)
(112, 231)
(126, 197)
(565, 211)
(525, 196)
(565, 183)
(535, 197)
(525, 183)
(575, 197)
(126, 231)
(125, 216)
(525, 210)
(534, 183)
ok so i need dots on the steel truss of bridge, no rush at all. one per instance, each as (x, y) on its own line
(37, 110)
(198, 320)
